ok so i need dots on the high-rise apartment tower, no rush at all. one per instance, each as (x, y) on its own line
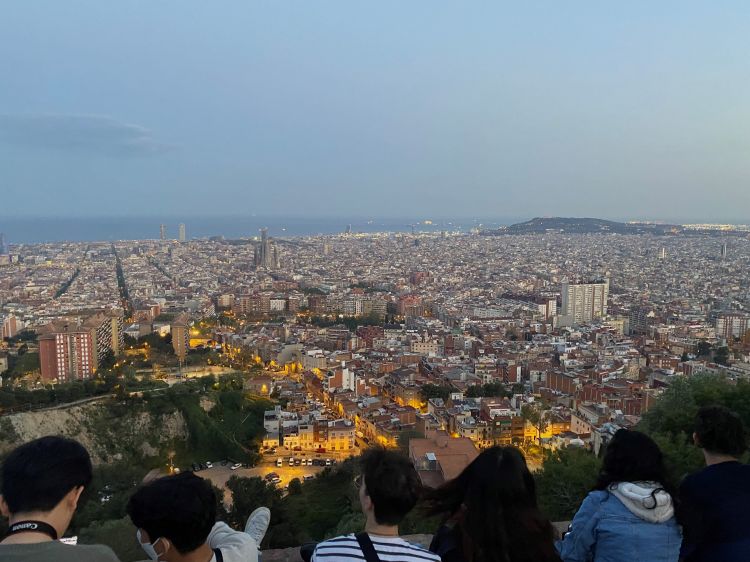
(584, 302)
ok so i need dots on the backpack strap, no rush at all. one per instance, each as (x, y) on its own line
(368, 549)
(219, 556)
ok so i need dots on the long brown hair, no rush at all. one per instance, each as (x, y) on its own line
(494, 508)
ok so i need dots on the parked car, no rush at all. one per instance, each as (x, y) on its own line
(279, 462)
(291, 461)
(309, 462)
(276, 480)
(307, 477)
(209, 464)
(297, 462)
(235, 466)
(328, 462)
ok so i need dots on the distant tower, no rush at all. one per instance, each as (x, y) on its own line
(163, 232)
(182, 232)
(723, 251)
(3, 247)
(326, 248)
(663, 253)
(276, 258)
(348, 229)
(263, 255)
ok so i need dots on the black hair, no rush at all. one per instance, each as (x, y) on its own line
(493, 506)
(392, 484)
(37, 475)
(180, 508)
(720, 430)
(632, 456)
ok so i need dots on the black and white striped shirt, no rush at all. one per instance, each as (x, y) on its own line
(389, 549)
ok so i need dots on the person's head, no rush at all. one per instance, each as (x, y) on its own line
(45, 476)
(389, 487)
(720, 431)
(173, 514)
(631, 456)
(493, 501)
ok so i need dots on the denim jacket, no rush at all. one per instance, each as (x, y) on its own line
(606, 530)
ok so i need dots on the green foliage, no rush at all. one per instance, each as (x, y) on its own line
(429, 391)
(704, 349)
(23, 364)
(316, 513)
(118, 534)
(351, 322)
(491, 389)
(158, 343)
(564, 480)
(675, 411)
(721, 356)
(295, 487)
(536, 415)
(670, 421)
(104, 383)
(22, 336)
(249, 494)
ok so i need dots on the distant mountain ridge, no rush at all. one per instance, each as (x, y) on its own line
(573, 225)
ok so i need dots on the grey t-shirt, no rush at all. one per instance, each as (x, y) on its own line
(55, 551)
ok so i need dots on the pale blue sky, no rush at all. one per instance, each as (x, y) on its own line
(408, 108)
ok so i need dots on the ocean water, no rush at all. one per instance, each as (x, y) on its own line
(33, 230)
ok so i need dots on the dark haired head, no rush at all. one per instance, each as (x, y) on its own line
(632, 456)
(493, 504)
(391, 482)
(179, 508)
(38, 475)
(719, 430)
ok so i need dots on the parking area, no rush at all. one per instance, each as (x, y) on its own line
(220, 475)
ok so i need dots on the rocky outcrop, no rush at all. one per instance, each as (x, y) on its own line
(108, 430)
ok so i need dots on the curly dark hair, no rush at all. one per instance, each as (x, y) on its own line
(493, 504)
(632, 456)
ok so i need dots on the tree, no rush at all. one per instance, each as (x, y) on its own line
(248, 494)
(536, 415)
(491, 389)
(566, 477)
(429, 391)
(721, 356)
(118, 534)
(704, 349)
(295, 487)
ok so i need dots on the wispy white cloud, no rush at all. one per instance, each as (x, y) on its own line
(80, 133)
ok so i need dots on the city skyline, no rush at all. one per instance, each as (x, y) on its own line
(499, 110)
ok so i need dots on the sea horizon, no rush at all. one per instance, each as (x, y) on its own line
(41, 229)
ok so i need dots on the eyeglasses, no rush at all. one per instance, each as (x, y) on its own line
(358, 481)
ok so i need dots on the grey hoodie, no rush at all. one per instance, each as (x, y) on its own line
(640, 499)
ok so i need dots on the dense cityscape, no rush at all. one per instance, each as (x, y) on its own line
(448, 342)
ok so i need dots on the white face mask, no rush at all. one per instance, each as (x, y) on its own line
(148, 547)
